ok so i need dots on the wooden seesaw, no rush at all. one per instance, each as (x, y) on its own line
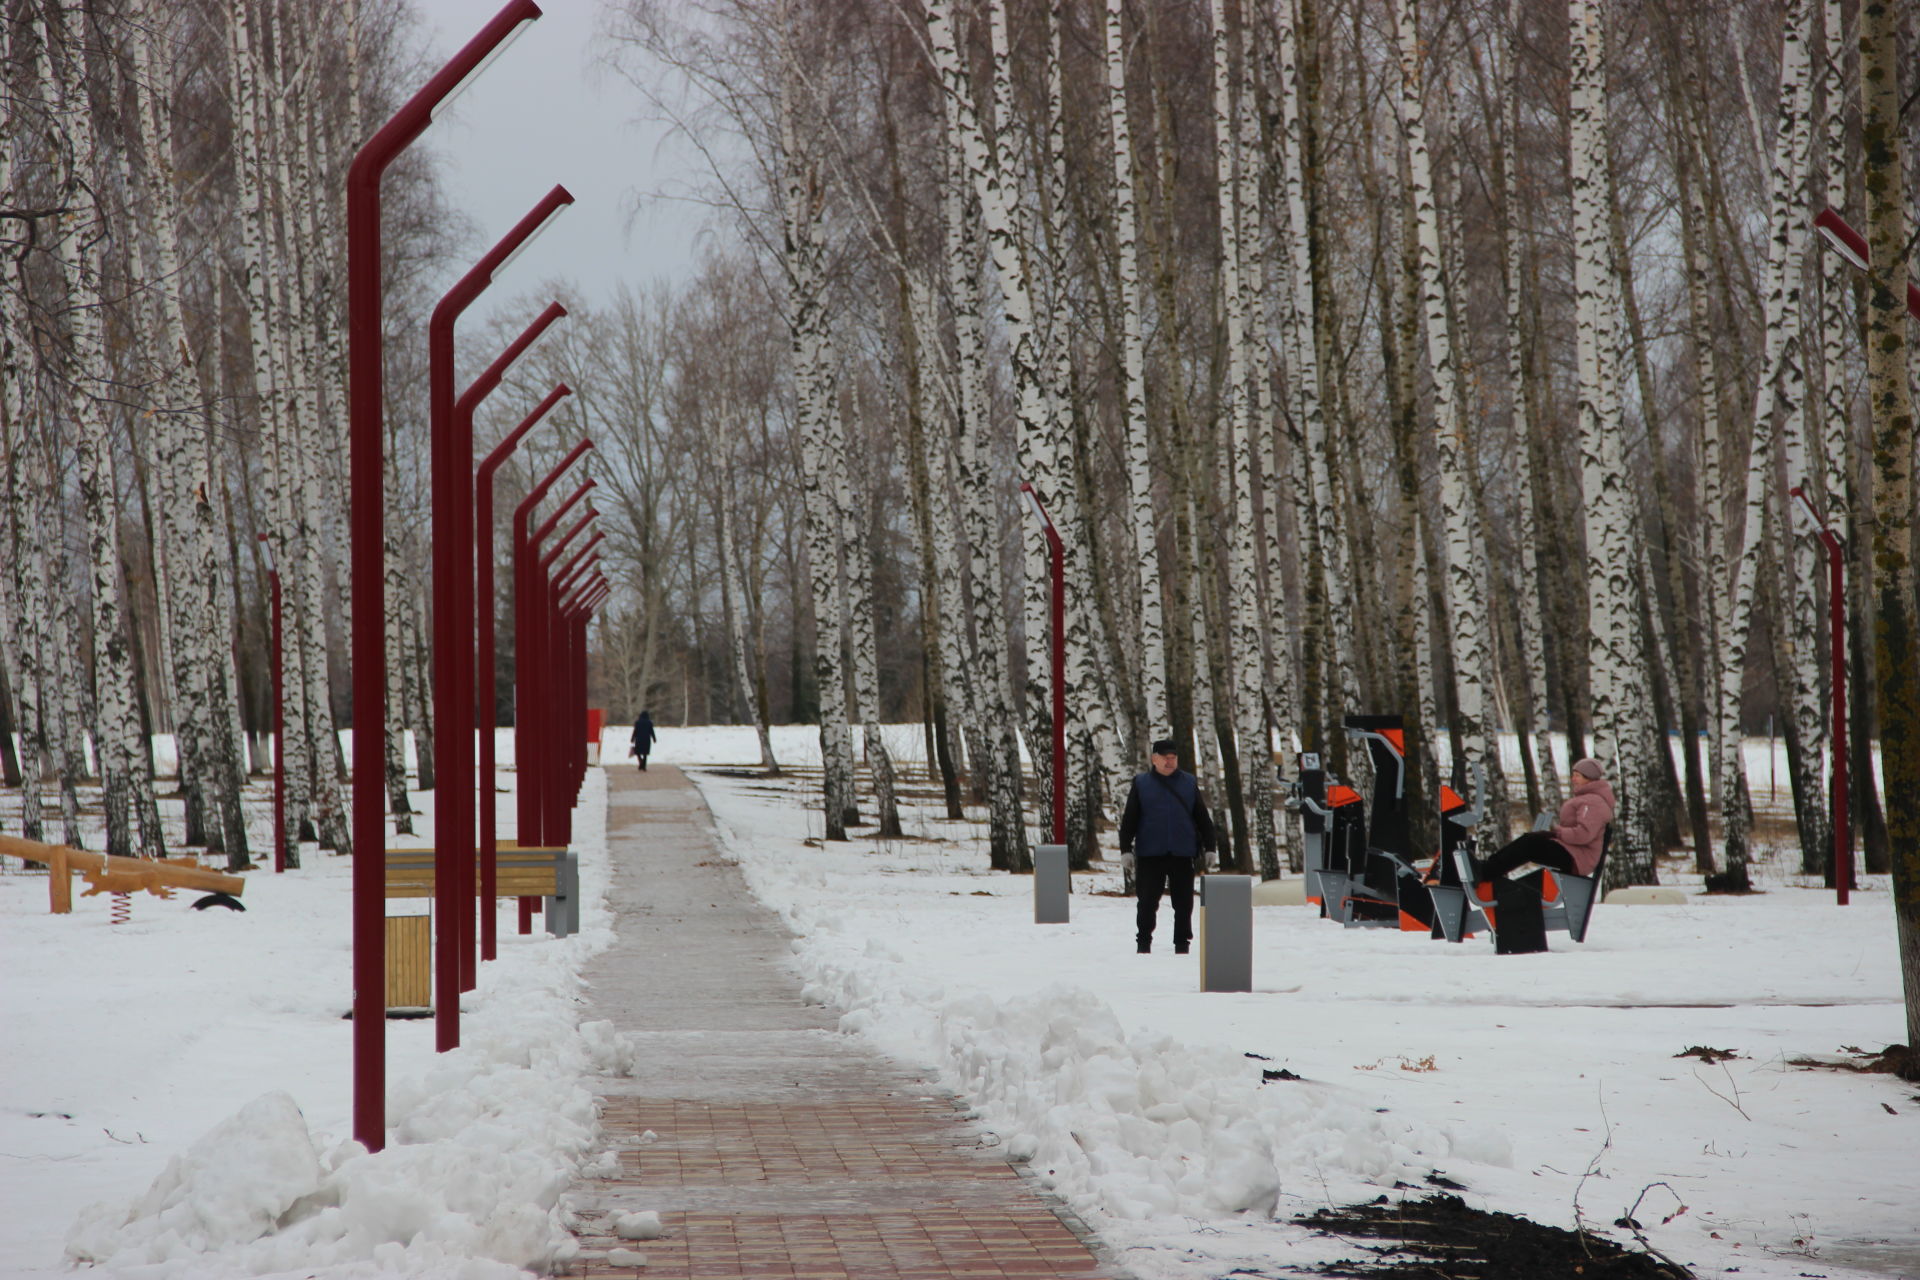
(105, 873)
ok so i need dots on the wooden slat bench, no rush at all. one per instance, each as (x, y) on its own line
(518, 873)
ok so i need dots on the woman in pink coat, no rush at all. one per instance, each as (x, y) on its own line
(1576, 838)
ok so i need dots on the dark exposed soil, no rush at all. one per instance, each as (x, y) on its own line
(1895, 1059)
(1707, 1054)
(1441, 1238)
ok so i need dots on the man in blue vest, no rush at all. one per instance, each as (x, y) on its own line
(1165, 834)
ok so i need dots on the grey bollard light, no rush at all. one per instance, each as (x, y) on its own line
(563, 909)
(1225, 933)
(1050, 884)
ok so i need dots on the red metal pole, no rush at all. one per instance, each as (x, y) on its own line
(1842, 798)
(556, 687)
(1056, 554)
(466, 628)
(451, 434)
(525, 669)
(367, 525)
(279, 719)
(483, 611)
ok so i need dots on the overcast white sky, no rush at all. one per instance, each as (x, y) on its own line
(541, 114)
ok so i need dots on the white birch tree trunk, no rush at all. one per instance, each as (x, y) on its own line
(267, 378)
(127, 788)
(1255, 752)
(202, 671)
(1836, 430)
(1323, 511)
(24, 575)
(1470, 636)
(1133, 359)
(1615, 658)
(1530, 624)
(1780, 380)
(853, 497)
(735, 600)
(991, 205)
(801, 208)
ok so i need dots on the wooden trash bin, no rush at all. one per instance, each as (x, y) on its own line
(409, 963)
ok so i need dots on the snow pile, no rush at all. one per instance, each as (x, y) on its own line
(1138, 1126)
(234, 1185)
(481, 1144)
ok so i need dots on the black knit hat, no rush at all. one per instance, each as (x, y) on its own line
(1165, 747)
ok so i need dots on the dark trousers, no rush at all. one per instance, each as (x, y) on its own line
(1163, 873)
(1534, 846)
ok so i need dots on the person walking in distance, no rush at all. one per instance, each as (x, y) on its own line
(643, 739)
(1165, 835)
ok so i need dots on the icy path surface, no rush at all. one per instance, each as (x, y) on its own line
(750, 1133)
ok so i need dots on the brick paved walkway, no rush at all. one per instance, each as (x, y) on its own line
(771, 1145)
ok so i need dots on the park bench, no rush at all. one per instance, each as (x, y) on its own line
(549, 873)
(518, 873)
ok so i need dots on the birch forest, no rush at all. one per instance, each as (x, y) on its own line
(1446, 358)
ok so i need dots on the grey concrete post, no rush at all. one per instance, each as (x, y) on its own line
(1051, 885)
(1225, 933)
(563, 908)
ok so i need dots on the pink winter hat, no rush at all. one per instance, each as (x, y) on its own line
(1588, 767)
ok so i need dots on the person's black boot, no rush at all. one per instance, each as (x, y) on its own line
(1145, 945)
(1179, 948)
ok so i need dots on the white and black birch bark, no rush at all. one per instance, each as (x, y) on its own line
(987, 207)
(1835, 431)
(1323, 509)
(733, 586)
(1615, 660)
(1255, 753)
(1780, 387)
(24, 580)
(802, 198)
(202, 669)
(1133, 359)
(1530, 624)
(127, 788)
(1470, 634)
(853, 496)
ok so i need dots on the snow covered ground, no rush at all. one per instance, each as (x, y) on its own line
(175, 1091)
(1546, 1085)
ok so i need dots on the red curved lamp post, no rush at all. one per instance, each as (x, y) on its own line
(556, 806)
(1837, 655)
(453, 704)
(1852, 246)
(1056, 556)
(528, 633)
(279, 715)
(462, 623)
(483, 526)
(367, 526)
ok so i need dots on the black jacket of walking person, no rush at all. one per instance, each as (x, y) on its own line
(643, 738)
(1167, 832)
